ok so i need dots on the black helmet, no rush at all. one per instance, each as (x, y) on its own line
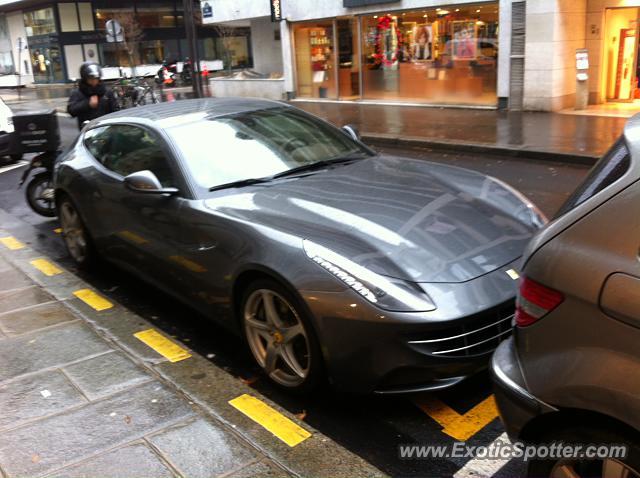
(90, 69)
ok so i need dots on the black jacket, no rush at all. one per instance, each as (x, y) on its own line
(78, 105)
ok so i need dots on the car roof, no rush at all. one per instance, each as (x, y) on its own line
(184, 111)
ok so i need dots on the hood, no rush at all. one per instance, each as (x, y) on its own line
(407, 219)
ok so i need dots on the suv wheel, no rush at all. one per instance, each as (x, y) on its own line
(612, 467)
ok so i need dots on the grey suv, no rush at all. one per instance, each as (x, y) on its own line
(571, 371)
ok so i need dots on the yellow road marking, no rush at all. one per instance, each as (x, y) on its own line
(460, 427)
(58, 230)
(92, 299)
(12, 243)
(165, 347)
(46, 267)
(274, 421)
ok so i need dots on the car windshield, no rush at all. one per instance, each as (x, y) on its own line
(259, 144)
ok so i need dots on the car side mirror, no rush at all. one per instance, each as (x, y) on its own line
(352, 131)
(146, 182)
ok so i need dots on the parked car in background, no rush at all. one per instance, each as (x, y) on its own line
(571, 371)
(6, 134)
(382, 274)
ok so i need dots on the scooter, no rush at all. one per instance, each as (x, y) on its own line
(40, 192)
(166, 75)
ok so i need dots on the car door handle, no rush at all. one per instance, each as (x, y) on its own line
(620, 298)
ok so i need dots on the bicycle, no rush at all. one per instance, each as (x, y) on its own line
(133, 92)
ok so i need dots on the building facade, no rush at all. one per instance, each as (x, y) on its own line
(46, 41)
(500, 54)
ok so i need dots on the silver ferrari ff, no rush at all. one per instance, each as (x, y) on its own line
(378, 273)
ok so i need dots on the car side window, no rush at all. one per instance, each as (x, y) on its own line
(611, 167)
(97, 142)
(126, 149)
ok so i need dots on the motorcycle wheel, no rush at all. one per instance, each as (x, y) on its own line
(37, 186)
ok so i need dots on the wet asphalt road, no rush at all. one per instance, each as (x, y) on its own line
(370, 426)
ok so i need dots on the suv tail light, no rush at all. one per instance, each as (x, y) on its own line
(535, 301)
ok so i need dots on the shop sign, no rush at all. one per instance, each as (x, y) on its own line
(207, 12)
(276, 10)
(363, 3)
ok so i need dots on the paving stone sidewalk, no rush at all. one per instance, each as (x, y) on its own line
(79, 399)
(74, 405)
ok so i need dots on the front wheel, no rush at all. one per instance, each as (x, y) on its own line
(280, 336)
(40, 195)
(610, 467)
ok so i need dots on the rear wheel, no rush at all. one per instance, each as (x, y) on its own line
(40, 195)
(280, 336)
(614, 467)
(76, 236)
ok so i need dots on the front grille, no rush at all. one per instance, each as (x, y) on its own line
(475, 335)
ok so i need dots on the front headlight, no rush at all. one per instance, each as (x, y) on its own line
(385, 292)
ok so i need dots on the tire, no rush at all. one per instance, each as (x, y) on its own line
(75, 234)
(293, 363)
(41, 184)
(582, 435)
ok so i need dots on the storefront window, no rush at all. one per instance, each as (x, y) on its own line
(156, 51)
(104, 14)
(315, 61)
(233, 51)
(46, 63)
(155, 14)
(40, 22)
(114, 54)
(444, 55)
(6, 58)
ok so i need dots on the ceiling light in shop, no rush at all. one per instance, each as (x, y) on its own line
(479, 22)
(443, 12)
(375, 16)
(457, 9)
(425, 15)
(478, 10)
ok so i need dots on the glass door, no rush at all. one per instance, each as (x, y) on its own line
(348, 59)
(315, 60)
(621, 56)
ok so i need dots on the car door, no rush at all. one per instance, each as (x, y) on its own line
(141, 231)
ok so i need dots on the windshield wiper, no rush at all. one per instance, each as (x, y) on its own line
(323, 163)
(240, 183)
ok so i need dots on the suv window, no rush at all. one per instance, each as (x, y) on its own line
(607, 170)
(126, 149)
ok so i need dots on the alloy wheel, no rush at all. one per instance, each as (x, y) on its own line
(73, 231)
(277, 337)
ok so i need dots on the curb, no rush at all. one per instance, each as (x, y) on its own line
(380, 139)
(195, 379)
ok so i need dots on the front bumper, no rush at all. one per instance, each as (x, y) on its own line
(368, 350)
(517, 406)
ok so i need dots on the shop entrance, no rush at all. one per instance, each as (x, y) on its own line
(433, 55)
(621, 55)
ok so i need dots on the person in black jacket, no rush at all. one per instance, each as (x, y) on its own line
(92, 98)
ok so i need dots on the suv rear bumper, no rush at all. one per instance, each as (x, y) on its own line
(517, 406)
